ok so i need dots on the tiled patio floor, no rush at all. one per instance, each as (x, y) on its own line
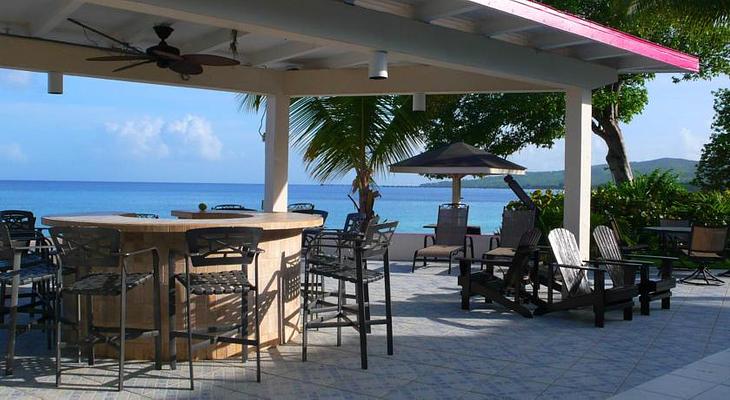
(441, 352)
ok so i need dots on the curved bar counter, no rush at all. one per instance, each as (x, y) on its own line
(279, 276)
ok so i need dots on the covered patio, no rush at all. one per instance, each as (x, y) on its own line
(290, 48)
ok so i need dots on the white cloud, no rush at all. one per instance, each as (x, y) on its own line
(154, 137)
(692, 144)
(15, 78)
(12, 152)
(142, 136)
(197, 132)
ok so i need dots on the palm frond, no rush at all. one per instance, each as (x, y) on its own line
(250, 102)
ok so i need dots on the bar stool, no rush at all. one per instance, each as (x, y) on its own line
(84, 248)
(21, 225)
(329, 249)
(40, 274)
(218, 247)
(352, 268)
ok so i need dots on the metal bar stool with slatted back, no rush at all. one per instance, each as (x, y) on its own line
(706, 245)
(351, 267)
(102, 269)
(40, 274)
(21, 225)
(215, 247)
(329, 249)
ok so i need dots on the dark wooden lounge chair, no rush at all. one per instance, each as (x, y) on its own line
(649, 289)
(576, 289)
(625, 246)
(450, 237)
(484, 283)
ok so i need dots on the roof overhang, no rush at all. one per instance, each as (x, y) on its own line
(321, 47)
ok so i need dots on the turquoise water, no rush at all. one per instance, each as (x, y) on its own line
(412, 206)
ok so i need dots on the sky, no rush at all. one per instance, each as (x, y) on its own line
(101, 130)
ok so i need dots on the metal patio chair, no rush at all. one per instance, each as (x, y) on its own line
(294, 207)
(208, 247)
(450, 237)
(351, 267)
(576, 291)
(88, 251)
(649, 289)
(146, 215)
(514, 224)
(706, 245)
(231, 207)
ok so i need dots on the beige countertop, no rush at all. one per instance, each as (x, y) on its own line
(125, 222)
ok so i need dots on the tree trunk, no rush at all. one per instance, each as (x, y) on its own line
(616, 158)
(606, 125)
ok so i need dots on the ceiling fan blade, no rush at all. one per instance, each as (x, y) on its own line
(133, 65)
(209, 59)
(186, 68)
(131, 57)
(166, 55)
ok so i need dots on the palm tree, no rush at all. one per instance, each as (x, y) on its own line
(341, 134)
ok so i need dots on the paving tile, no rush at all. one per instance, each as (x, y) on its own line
(705, 371)
(675, 385)
(637, 394)
(558, 392)
(719, 392)
(721, 358)
(421, 391)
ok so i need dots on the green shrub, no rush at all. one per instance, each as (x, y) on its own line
(638, 204)
(706, 208)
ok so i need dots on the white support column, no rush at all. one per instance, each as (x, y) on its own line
(578, 133)
(277, 153)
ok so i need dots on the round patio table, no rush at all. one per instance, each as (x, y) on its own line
(279, 272)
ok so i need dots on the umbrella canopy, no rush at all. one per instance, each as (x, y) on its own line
(457, 160)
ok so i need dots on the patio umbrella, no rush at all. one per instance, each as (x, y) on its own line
(457, 160)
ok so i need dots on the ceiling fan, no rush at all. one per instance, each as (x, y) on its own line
(162, 54)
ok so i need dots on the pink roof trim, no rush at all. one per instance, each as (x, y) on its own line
(554, 18)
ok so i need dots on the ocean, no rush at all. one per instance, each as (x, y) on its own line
(412, 206)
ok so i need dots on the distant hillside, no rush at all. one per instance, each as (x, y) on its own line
(600, 174)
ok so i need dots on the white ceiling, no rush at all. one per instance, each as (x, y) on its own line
(47, 19)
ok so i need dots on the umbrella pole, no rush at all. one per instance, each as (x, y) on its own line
(456, 189)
